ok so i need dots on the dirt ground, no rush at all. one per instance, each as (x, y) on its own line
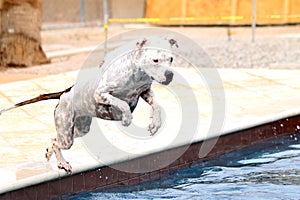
(68, 39)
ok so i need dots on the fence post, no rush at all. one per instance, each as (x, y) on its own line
(105, 21)
(286, 11)
(82, 12)
(183, 12)
(253, 20)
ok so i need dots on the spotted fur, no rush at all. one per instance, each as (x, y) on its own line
(112, 93)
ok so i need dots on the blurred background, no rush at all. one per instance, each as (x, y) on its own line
(57, 35)
(174, 12)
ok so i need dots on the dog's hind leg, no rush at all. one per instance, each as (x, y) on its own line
(64, 116)
(81, 127)
(61, 162)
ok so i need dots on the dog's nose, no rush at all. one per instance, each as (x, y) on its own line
(169, 77)
(168, 74)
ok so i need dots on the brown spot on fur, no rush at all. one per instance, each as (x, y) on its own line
(140, 45)
(173, 42)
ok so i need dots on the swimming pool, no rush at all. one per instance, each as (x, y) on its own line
(267, 170)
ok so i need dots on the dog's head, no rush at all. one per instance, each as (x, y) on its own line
(154, 57)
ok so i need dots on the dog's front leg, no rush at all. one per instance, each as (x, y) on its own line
(108, 99)
(148, 96)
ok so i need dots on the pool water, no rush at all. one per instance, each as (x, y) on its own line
(266, 170)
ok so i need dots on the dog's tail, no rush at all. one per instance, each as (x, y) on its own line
(41, 97)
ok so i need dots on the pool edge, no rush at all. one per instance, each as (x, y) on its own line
(107, 177)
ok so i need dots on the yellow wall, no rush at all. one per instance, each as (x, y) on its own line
(220, 11)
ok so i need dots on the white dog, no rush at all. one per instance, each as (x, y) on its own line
(112, 94)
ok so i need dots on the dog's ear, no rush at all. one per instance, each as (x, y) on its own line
(141, 44)
(101, 63)
(173, 42)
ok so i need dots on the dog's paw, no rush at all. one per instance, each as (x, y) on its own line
(126, 119)
(156, 122)
(154, 126)
(153, 129)
(65, 166)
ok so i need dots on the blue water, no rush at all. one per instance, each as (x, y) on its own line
(267, 170)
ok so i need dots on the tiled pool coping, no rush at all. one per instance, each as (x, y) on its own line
(93, 178)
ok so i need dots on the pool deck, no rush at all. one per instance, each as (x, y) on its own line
(253, 97)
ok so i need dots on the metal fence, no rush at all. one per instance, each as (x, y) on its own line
(70, 13)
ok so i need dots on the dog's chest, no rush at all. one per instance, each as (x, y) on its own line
(131, 93)
(128, 89)
(131, 97)
(132, 87)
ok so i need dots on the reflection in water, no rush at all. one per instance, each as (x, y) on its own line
(266, 170)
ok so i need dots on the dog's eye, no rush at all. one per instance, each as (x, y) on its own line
(155, 60)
